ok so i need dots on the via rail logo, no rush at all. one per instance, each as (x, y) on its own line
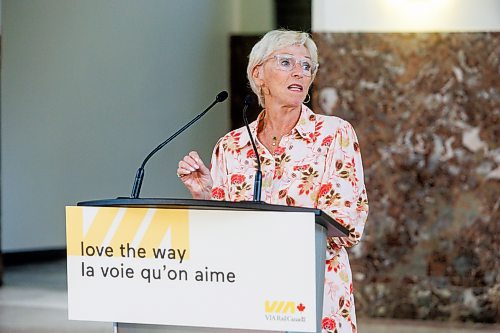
(284, 311)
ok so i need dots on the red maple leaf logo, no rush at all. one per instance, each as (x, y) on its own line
(301, 307)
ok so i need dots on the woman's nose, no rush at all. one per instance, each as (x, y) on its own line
(297, 71)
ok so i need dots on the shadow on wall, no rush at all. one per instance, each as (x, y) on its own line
(426, 108)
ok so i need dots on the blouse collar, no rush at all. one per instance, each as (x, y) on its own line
(304, 127)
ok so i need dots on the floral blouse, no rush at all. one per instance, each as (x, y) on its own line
(318, 164)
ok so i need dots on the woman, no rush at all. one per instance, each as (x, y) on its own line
(307, 160)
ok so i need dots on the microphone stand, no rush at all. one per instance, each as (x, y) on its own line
(257, 186)
(139, 176)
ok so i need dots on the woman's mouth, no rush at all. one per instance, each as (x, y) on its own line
(295, 87)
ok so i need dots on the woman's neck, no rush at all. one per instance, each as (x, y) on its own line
(281, 119)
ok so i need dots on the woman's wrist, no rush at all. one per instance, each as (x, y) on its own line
(205, 194)
(201, 196)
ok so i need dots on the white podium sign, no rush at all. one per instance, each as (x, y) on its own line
(202, 268)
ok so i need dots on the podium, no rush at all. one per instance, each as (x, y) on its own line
(182, 265)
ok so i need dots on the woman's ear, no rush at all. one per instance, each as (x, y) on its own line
(258, 75)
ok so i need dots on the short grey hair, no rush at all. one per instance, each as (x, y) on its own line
(272, 41)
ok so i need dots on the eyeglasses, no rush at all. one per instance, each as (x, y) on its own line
(287, 62)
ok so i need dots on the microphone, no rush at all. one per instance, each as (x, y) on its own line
(139, 176)
(257, 185)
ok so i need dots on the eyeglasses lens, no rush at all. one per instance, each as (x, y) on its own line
(287, 63)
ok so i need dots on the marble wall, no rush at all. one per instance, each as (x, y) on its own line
(426, 108)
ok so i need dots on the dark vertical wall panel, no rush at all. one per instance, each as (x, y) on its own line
(240, 87)
(293, 15)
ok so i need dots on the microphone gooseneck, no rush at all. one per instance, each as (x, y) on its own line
(139, 176)
(257, 185)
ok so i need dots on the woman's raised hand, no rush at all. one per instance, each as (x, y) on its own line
(195, 176)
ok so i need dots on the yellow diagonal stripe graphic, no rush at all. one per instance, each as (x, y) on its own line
(100, 226)
(74, 230)
(125, 229)
(128, 227)
(173, 220)
(96, 233)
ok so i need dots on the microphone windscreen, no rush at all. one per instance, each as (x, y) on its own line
(248, 100)
(221, 97)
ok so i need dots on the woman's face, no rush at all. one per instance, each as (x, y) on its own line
(285, 76)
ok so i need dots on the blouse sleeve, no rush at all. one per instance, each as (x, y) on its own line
(342, 194)
(218, 171)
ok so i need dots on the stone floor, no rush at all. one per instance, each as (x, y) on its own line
(34, 299)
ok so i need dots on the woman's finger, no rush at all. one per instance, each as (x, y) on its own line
(194, 155)
(192, 164)
(184, 168)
